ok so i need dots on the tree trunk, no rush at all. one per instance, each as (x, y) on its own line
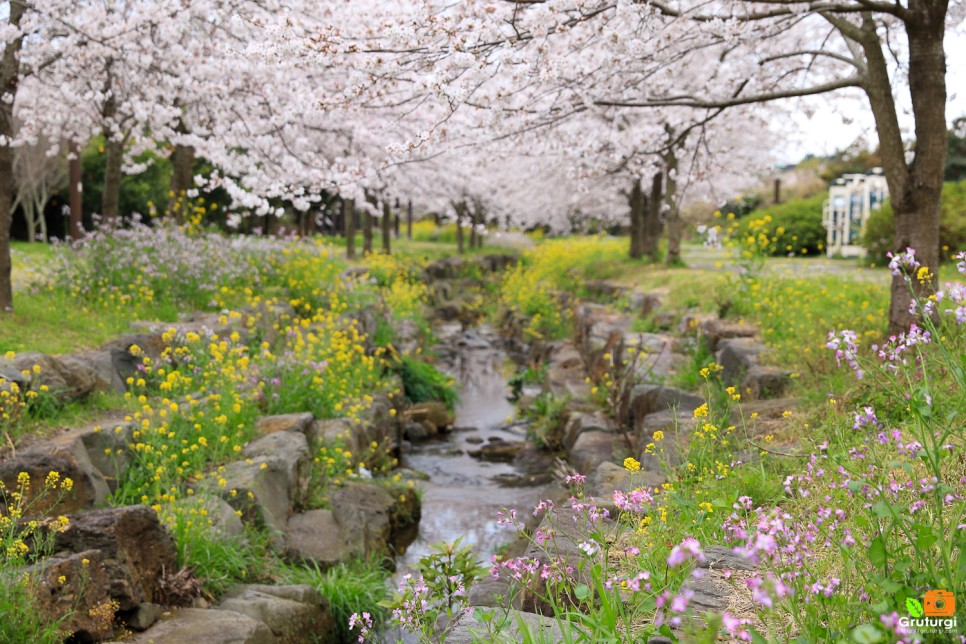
(367, 232)
(915, 188)
(349, 218)
(637, 203)
(9, 81)
(74, 191)
(409, 220)
(182, 180)
(460, 209)
(653, 226)
(473, 229)
(386, 228)
(110, 198)
(675, 225)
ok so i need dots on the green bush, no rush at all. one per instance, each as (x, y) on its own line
(423, 382)
(795, 224)
(880, 229)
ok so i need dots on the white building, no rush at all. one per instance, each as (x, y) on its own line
(851, 199)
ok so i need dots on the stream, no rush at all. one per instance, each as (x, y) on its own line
(463, 494)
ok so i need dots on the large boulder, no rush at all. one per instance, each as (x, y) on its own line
(579, 422)
(295, 614)
(595, 447)
(292, 449)
(71, 380)
(295, 423)
(70, 462)
(316, 536)
(68, 587)
(737, 356)
(375, 517)
(137, 550)
(259, 488)
(432, 413)
(197, 626)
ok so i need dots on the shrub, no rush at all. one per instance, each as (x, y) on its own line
(795, 227)
(423, 382)
(880, 229)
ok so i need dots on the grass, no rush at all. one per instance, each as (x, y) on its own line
(350, 587)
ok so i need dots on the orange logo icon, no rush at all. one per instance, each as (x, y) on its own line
(939, 603)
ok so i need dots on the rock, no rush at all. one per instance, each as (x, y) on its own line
(222, 516)
(295, 614)
(292, 450)
(68, 381)
(368, 514)
(70, 461)
(474, 440)
(605, 289)
(98, 369)
(143, 617)
(85, 586)
(296, 423)
(711, 594)
(764, 382)
(338, 431)
(107, 446)
(433, 412)
(668, 421)
(500, 451)
(723, 558)
(716, 330)
(261, 491)
(413, 431)
(467, 630)
(563, 534)
(579, 422)
(593, 448)
(316, 536)
(644, 400)
(737, 356)
(651, 302)
(493, 593)
(610, 477)
(565, 373)
(693, 321)
(137, 549)
(195, 625)
(363, 511)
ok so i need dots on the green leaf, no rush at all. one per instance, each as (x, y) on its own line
(881, 509)
(756, 637)
(877, 552)
(914, 607)
(582, 592)
(866, 634)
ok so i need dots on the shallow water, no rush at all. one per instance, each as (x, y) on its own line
(463, 495)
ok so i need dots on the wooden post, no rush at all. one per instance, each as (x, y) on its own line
(778, 190)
